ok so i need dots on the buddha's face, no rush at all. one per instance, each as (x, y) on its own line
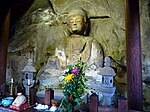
(77, 24)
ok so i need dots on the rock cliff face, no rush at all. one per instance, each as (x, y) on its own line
(37, 33)
(145, 38)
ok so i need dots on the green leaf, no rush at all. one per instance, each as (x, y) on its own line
(77, 100)
(70, 67)
(76, 88)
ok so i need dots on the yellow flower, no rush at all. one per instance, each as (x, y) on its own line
(68, 77)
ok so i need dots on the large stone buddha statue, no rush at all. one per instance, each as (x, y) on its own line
(72, 48)
(78, 45)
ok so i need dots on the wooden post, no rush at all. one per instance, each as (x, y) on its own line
(122, 105)
(94, 103)
(4, 34)
(133, 44)
(49, 95)
(4, 89)
(32, 95)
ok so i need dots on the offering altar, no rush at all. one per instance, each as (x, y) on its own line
(13, 101)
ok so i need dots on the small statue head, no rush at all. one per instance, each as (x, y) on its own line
(77, 20)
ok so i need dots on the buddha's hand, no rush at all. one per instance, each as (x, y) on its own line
(60, 54)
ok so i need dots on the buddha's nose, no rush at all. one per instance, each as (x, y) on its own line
(74, 23)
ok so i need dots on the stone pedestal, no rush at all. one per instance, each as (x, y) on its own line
(25, 84)
(58, 94)
(107, 94)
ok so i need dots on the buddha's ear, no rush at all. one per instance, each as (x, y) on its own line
(85, 19)
(86, 25)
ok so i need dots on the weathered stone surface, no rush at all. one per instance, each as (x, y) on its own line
(145, 34)
(37, 33)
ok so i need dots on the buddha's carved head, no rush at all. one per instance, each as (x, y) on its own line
(77, 21)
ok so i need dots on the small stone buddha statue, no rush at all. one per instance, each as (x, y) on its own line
(74, 47)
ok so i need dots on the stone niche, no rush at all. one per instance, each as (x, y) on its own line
(37, 33)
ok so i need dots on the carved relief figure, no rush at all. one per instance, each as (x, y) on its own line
(71, 49)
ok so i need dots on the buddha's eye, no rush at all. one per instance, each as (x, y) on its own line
(71, 21)
(78, 20)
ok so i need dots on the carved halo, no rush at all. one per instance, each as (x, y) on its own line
(86, 5)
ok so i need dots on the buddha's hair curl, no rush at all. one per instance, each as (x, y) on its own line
(78, 11)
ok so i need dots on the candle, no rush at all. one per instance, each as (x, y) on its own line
(12, 80)
(28, 81)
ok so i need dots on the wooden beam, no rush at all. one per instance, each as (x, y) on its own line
(133, 44)
(4, 34)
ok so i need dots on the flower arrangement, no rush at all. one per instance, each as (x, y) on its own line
(74, 87)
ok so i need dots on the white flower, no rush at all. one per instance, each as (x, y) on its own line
(61, 78)
(93, 67)
(67, 70)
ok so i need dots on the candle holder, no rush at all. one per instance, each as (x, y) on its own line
(28, 93)
(11, 87)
